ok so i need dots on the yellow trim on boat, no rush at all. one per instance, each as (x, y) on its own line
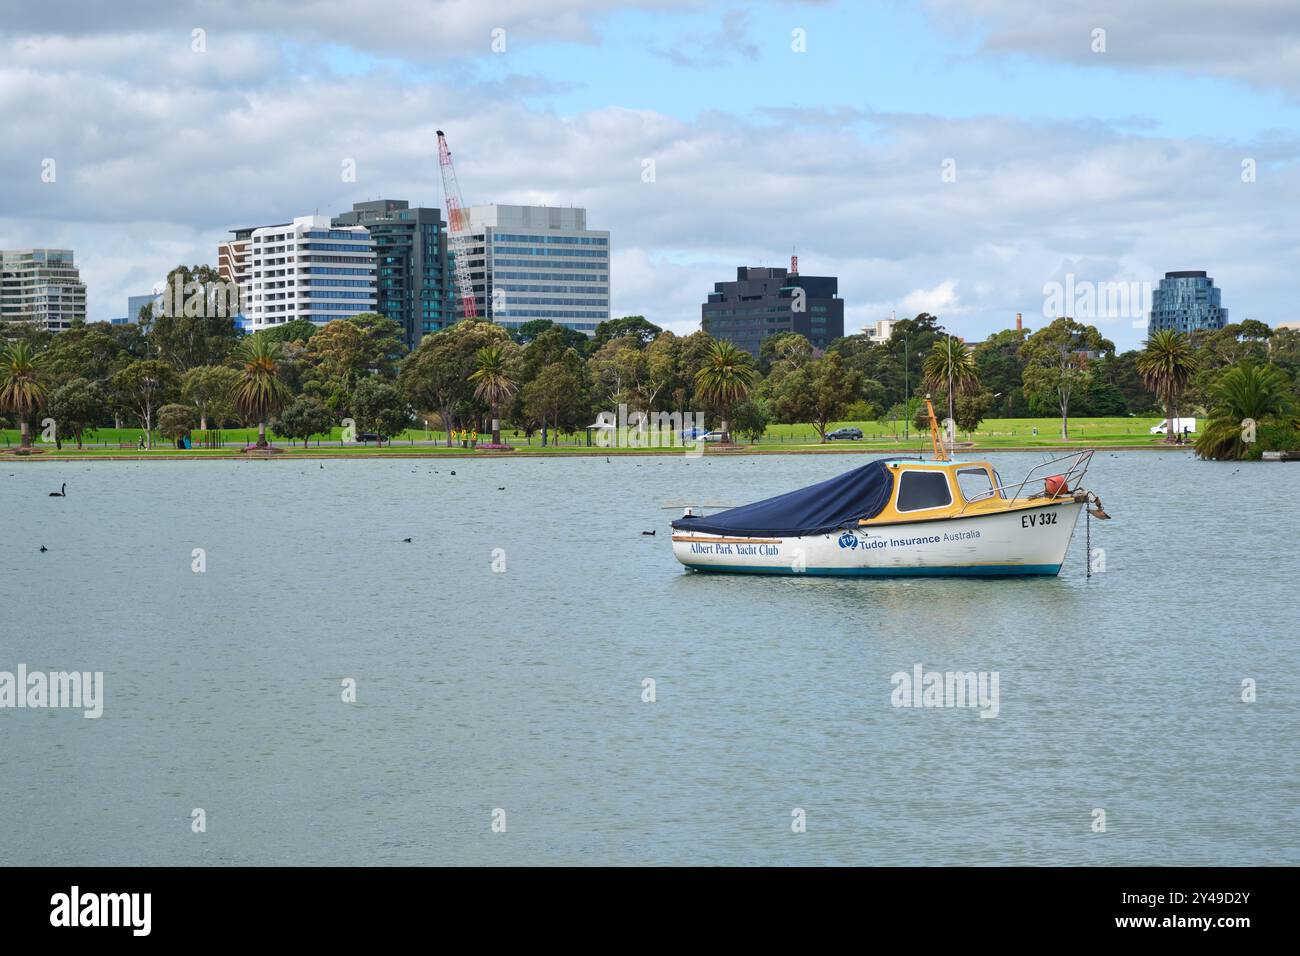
(959, 506)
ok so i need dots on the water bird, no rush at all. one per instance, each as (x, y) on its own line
(61, 493)
(502, 488)
(406, 540)
(44, 549)
(453, 473)
(651, 533)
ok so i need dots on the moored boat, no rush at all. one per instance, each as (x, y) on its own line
(900, 516)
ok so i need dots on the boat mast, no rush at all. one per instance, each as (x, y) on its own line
(939, 453)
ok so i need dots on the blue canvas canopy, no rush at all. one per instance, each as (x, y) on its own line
(817, 509)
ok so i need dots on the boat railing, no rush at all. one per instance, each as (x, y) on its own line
(1072, 474)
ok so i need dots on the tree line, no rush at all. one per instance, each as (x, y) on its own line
(175, 373)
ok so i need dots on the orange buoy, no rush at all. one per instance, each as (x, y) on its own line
(1055, 485)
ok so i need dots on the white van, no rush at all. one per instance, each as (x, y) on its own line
(1182, 426)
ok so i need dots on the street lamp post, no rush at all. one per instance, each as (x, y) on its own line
(907, 395)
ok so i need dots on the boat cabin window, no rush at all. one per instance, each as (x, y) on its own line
(974, 483)
(918, 490)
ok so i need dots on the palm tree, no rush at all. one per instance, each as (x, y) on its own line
(725, 379)
(1241, 397)
(21, 391)
(1166, 366)
(260, 393)
(951, 366)
(493, 382)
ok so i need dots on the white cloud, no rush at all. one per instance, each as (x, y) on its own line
(407, 28)
(1255, 41)
(156, 165)
(715, 50)
(941, 300)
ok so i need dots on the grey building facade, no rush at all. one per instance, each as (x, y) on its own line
(413, 284)
(538, 262)
(1186, 302)
(766, 301)
(42, 286)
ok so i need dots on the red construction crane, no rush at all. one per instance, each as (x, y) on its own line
(457, 226)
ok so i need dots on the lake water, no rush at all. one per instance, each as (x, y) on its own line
(522, 690)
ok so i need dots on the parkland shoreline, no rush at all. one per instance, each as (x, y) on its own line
(461, 454)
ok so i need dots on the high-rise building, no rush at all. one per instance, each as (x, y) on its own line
(412, 282)
(42, 286)
(134, 303)
(307, 269)
(538, 262)
(766, 301)
(884, 328)
(232, 258)
(1185, 302)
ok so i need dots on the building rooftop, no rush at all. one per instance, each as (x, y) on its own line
(528, 217)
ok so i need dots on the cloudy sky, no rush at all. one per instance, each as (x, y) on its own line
(954, 156)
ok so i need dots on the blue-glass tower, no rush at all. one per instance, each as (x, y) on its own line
(1186, 302)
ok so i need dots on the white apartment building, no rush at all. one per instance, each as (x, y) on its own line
(538, 262)
(42, 286)
(307, 269)
(883, 330)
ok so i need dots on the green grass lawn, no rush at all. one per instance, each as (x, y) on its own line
(992, 434)
(233, 437)
(1008, 431)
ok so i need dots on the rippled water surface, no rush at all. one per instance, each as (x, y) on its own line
(522, 690)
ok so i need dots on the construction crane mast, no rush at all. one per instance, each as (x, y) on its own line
(457, 226)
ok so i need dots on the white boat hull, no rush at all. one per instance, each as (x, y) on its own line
(1028, 541)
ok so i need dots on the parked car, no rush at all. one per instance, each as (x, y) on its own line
(368, 436)
(690, 434)
(852, 434)
(711, 436)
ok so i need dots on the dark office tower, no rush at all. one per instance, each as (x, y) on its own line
(763, 302)
(414, 288)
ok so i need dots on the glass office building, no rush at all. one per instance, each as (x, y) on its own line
(413, 285)
(1186, 302)
(538, 262)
